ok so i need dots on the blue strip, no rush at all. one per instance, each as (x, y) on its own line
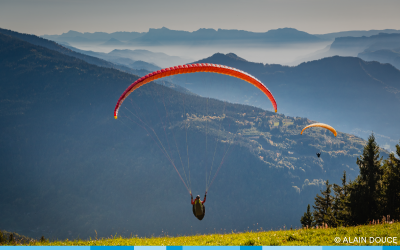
(212, 248)
(45, 247)
(174, 248)
(353, 247)
(291, 248)
(251, 247)
(111, 248)
(150, 248)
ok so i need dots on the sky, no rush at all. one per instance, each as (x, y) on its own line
(50, 17)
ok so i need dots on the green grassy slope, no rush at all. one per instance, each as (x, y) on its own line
(386, 234)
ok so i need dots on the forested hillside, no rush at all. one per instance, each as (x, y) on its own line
(69, 168)
(348, 93)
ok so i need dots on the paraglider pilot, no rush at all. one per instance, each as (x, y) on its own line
(199, 210)
(318, 154)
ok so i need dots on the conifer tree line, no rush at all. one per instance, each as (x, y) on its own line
(374, 195)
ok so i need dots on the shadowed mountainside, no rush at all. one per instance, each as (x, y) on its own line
(346, 92)
(69, 168)
(66, 51)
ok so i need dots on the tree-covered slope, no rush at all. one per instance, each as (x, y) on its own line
(346, 92)
(59, 48)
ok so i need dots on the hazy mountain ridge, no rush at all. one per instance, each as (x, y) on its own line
(384, 51)
(336, 90)
(389, 74)
(205, 34)
(164, 36)
(113, 42)
(144, 65)
(56, 47)
(87, 57)
(358, 46)
(391, 56)
(96, 36)
(139, 68)
(346, 43)
(129, 57)
(157, 58)
(67, 160)
(354, 33)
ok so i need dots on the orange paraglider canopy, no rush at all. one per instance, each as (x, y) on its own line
(322, 125)
(193, 68)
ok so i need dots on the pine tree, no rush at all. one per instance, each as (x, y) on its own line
(365, 191)
(307, 219)
(340, 202)
(391, 185)
(11, 238)
(2, 238)
(323, 207)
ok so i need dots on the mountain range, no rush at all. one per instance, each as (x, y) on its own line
(381, 47)
(67, 51)
(372, 45)
(205, 36)
(165, 36)
(149, 60)
(350, 94)
(113, 42)
(102, 37)
(69, 168)
(355, 33)
(391, 56)
(286, 75)
(351, 46)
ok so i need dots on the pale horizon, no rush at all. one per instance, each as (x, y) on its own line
(83, 32)
(46, 17)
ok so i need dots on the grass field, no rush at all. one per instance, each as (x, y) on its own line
(350, 236)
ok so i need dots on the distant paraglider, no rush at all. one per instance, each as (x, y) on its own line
(318, 154)
(322, 125)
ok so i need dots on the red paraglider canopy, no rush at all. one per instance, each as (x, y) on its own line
(194, 68)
